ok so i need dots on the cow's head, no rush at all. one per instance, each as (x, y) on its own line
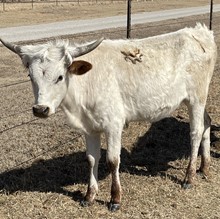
(48, 65)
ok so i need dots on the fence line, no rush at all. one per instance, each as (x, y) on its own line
(12, 84)
(15, 114)
(23, 123)
(19, 125)
(58, 2)
(55, 147)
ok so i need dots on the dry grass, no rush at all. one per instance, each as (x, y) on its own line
(154, 157)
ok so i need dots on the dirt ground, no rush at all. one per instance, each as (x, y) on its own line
(43, 171)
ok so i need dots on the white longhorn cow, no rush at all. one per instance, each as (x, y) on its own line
(118, 81)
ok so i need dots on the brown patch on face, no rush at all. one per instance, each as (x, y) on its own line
(79, 67)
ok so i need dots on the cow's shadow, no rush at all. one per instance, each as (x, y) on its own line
(166, 140)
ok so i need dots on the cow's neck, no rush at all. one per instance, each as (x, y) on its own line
(72, 107)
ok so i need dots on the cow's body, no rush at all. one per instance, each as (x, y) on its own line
(149, 90)
(124, 85)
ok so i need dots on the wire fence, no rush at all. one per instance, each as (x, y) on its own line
(33, 3)
(135, 29)
(60, 1)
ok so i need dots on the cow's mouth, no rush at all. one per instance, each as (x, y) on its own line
(41, 111)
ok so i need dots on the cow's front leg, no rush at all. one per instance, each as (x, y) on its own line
(113, 161)
(93, 156)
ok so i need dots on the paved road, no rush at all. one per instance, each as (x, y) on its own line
(34, 32)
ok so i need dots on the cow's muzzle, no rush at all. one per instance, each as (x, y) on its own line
(41, 111)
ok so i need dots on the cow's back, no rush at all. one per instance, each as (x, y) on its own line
(153, 87)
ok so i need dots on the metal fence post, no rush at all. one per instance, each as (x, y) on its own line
(129, 19)
(4, 1)
(211, 13)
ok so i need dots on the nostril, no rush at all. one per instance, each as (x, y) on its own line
(40, 110)
(45, 110)
(36, 109)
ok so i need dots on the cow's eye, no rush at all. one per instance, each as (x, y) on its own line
(60, 78)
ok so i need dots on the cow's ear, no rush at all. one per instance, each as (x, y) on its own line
(79, 67)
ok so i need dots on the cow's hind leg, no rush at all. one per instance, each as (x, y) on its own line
(205, 146)
(113, 161)
(196, 113)
(93, 155)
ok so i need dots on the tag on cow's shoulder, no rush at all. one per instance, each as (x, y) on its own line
(79, 67)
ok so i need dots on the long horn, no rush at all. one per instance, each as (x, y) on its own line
(79, 51)
(14, 48)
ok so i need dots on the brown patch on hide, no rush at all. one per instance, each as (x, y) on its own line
(115, 188)
(190, 173)
(133, 55)
(113, 165)
(90, 194)
(115, 192)
(204, 168)
(79, 67)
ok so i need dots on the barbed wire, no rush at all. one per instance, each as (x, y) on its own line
(55, 147)
(19, 125)
(23, 123)
(15, 83)
(15, 114)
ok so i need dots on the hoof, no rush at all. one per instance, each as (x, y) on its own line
(202, 175)
(187, 185)
(85, 203)
(113, 207)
